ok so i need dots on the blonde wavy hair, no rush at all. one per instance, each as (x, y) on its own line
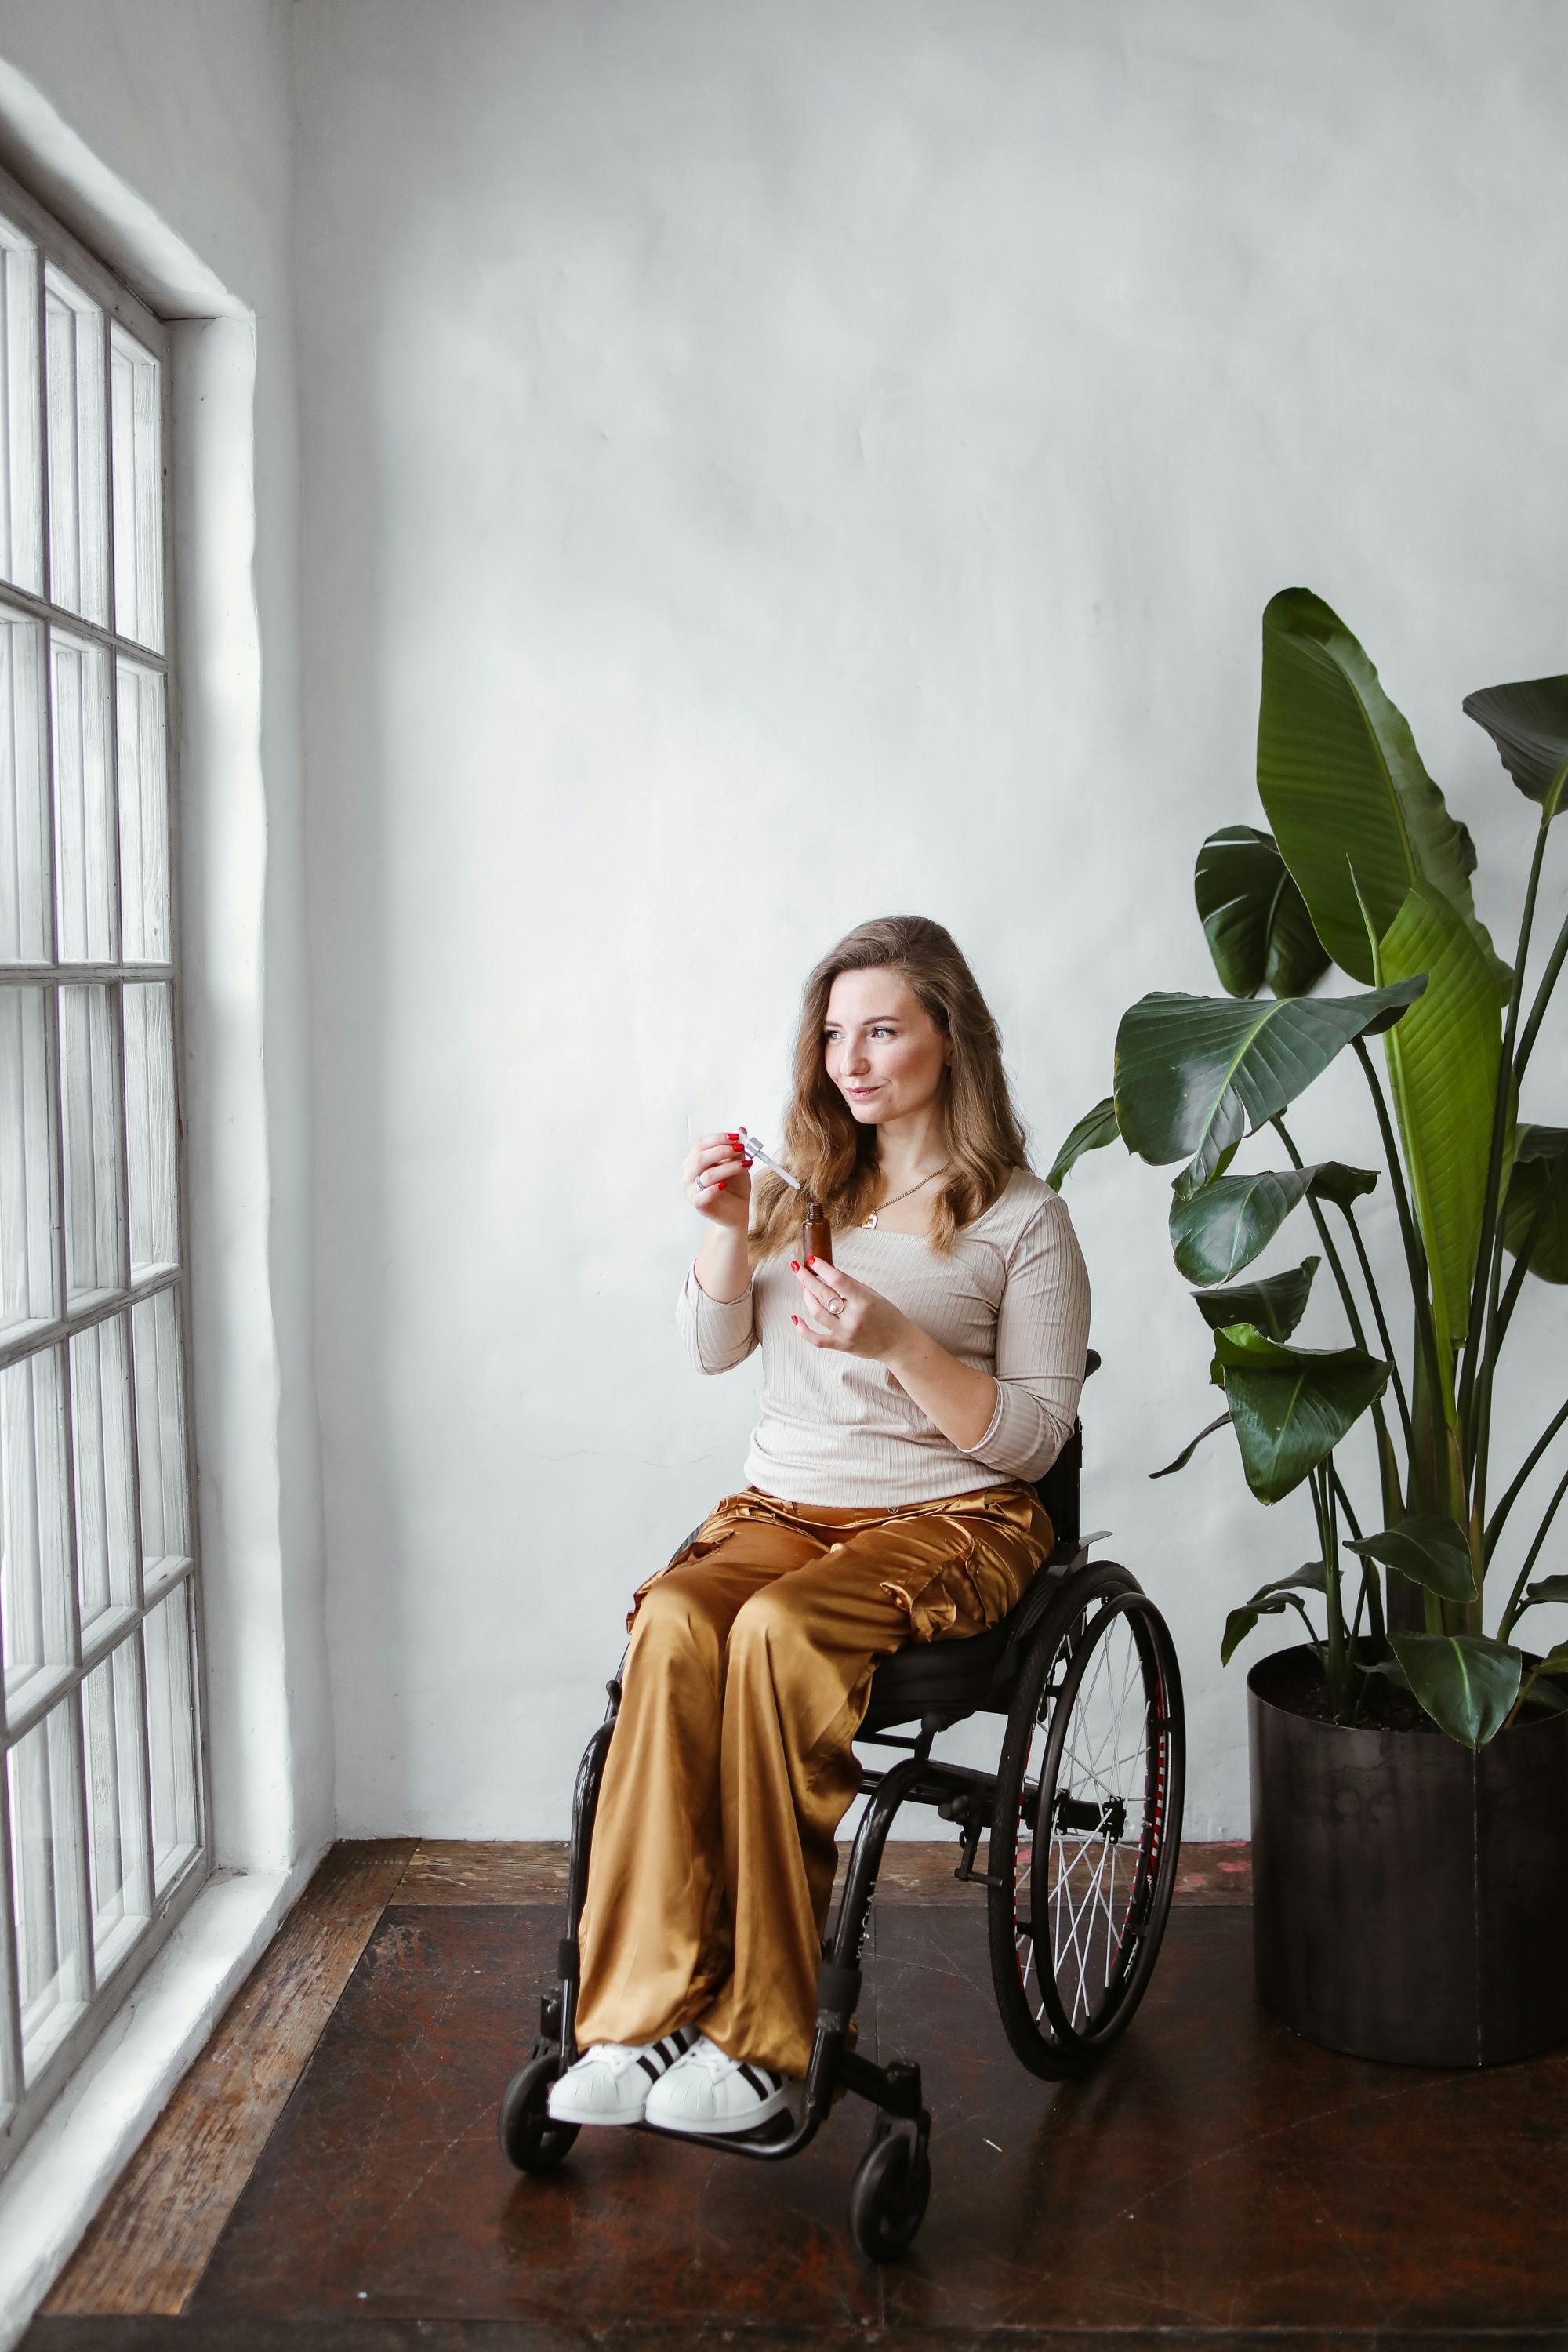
(834, 1154)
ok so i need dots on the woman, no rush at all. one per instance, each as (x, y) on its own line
(911, 1392)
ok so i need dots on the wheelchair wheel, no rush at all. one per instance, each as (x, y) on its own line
(1088, 1822)
(888, 2201)
(530, 2137)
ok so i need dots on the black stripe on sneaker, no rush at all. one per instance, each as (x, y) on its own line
(649, 2066)
(761, 2080)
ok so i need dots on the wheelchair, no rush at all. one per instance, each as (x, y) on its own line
(1084, 1815)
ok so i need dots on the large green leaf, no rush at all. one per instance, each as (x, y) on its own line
(1528, 722)
(1466, 1682)
(1427, 1548)
(1276, 1305)
(1290, 1406)
(1539, 1176)
(1342, 783)
(1223, 1227)
(1193, 1074)
(1271, 1600)
(1443, 1061)
(1096, 1128)
(1253, 917)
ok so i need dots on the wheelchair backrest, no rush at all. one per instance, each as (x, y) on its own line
(1059, 1489)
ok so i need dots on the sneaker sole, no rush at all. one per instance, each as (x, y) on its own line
(718, 2126)
(568, 2115)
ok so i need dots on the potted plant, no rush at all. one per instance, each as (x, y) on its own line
(1409, 1769)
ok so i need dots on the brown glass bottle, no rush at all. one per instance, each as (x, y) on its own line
(816, 1234)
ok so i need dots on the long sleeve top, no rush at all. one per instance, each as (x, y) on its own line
(1012, 1301)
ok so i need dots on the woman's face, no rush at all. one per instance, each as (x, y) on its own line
(881, 1046)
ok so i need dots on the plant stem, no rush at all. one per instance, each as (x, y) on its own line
(1344, 1500)
(1494, 1526)
(1505, 1625)
(1371, 1588)
(1323, 1508)
(1415, 1252)
(1481, 1354)
(1542, 997)
(1350, 1306)
(1383, 1333)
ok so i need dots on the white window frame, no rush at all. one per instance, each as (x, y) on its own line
(23, 2102)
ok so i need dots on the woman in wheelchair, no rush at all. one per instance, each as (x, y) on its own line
(911, 1392)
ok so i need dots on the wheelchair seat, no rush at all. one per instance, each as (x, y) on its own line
(949, 1679)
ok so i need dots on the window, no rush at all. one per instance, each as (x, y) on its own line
(103, 1817)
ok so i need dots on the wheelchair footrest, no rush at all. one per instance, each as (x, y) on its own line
(895, 2088)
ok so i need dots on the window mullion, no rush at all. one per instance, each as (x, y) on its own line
(11, 2084)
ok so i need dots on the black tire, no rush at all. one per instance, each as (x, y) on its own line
(530, 2137)
(888, 2198)
(1091, 1965)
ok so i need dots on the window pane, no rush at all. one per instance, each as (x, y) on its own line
(172, 1729)
(90, 1127)
(24, 803)
(160, 1435)
(34, 1571)
(26, 1157)
(143, 817)
(21, 460)
(46, 1876)
(84, 842)
(118, 1863)
(78, 488)
(101, 1433)
(138, 501)
(149, 1125)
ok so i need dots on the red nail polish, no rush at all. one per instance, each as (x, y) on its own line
(811, 1261)
(794, 1266)
(794, 1319)
(734, 1139)
(722, 1181)
(747, 1157)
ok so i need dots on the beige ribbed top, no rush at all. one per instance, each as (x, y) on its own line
(1013, 1300)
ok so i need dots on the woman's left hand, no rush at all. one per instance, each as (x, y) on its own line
(862, 1323)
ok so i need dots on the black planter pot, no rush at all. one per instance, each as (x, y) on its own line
(1410, 1899)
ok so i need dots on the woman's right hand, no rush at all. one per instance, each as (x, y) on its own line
(716, 1173)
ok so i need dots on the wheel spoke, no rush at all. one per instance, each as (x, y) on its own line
(1087, 1897)
(1087, 1854)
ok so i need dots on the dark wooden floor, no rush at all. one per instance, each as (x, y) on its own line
(328, 2175)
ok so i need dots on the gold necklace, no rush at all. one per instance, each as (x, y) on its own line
(904, 1196)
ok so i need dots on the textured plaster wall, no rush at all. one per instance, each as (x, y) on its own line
(766, 467)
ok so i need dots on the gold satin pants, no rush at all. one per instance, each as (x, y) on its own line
(713, 1857)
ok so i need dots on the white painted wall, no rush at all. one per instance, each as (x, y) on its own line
(766, 467)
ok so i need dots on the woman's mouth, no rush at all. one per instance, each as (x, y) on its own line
(861, 1093)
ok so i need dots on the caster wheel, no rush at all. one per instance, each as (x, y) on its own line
(888, 2201)
(529, 2137)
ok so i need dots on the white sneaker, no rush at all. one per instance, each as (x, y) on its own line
(611, 2082)
(707, 2092)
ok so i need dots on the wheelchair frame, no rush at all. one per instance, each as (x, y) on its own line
(936, 1685)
